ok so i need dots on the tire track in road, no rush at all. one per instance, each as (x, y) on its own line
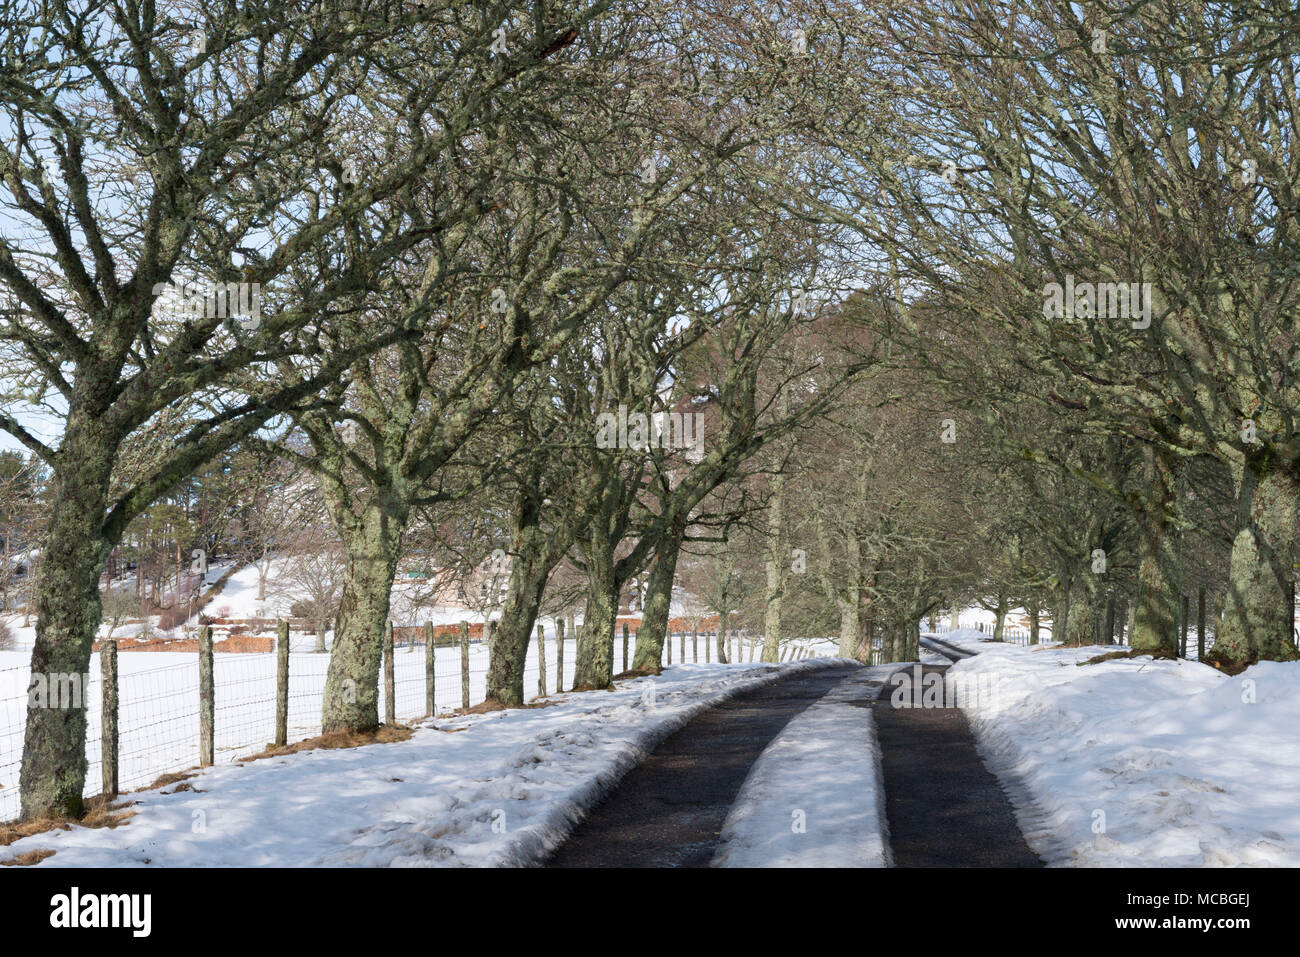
(944, 807)
(669, 810)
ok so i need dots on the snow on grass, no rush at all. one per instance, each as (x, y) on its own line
(1139, 762)
(158, 711)
(158, 717)
(502, 788)
(814, 796)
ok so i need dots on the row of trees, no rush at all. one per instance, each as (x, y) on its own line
(433, 243)
(625, 292)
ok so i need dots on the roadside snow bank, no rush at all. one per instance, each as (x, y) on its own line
(1137, 762)
(502, 788)
(814, 797)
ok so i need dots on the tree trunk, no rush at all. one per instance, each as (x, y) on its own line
(68, 613)
(850, 639)
(775, 569)
(1061, 612)
(1155, 626)
(508, 646)
(1259, 603)
(1081, 623)
(1200, 624)
(1154, 617)
(594, 667)
(351, 700)
(263, 566)
(999, 624)
(658, 601)
(897, 644)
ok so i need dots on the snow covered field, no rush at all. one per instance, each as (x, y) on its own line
(502, 788)
(814, 797)
(1137, 762)
(159, 703)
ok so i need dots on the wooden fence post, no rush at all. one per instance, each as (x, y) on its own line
(541, 660)
(430, 670)
(390, 686)
(708, 643)
(282, 685)
(464, 664)
(625, 646)
(206, 750)
(559, 655)
(108, 718)
(668, 647)
(695, 646)
(682, 647)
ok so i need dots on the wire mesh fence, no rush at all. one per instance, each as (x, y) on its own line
(1025, 636)
(159, 728)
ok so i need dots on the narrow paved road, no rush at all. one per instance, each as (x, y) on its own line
(945, 808)
(669, 811)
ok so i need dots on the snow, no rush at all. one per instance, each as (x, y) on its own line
(1138, 762)
(158, 691)
(502, 788)
(158, 717)
(821, 774)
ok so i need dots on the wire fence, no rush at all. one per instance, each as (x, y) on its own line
(1024, 636)
(159, 716)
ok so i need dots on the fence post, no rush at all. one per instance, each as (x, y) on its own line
(430, 672)
(708, 644)
(682, 636)
(390, 689)
(559, 655)
(206, 750)
(464, 664)
(695, 646)
(282, 685)
(573, 635)
(108, 719)
(668, 647)
(541, 660)
(625, 646)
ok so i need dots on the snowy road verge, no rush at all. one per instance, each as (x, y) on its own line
(814, 797)
(496, 789)
(1142, 763)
